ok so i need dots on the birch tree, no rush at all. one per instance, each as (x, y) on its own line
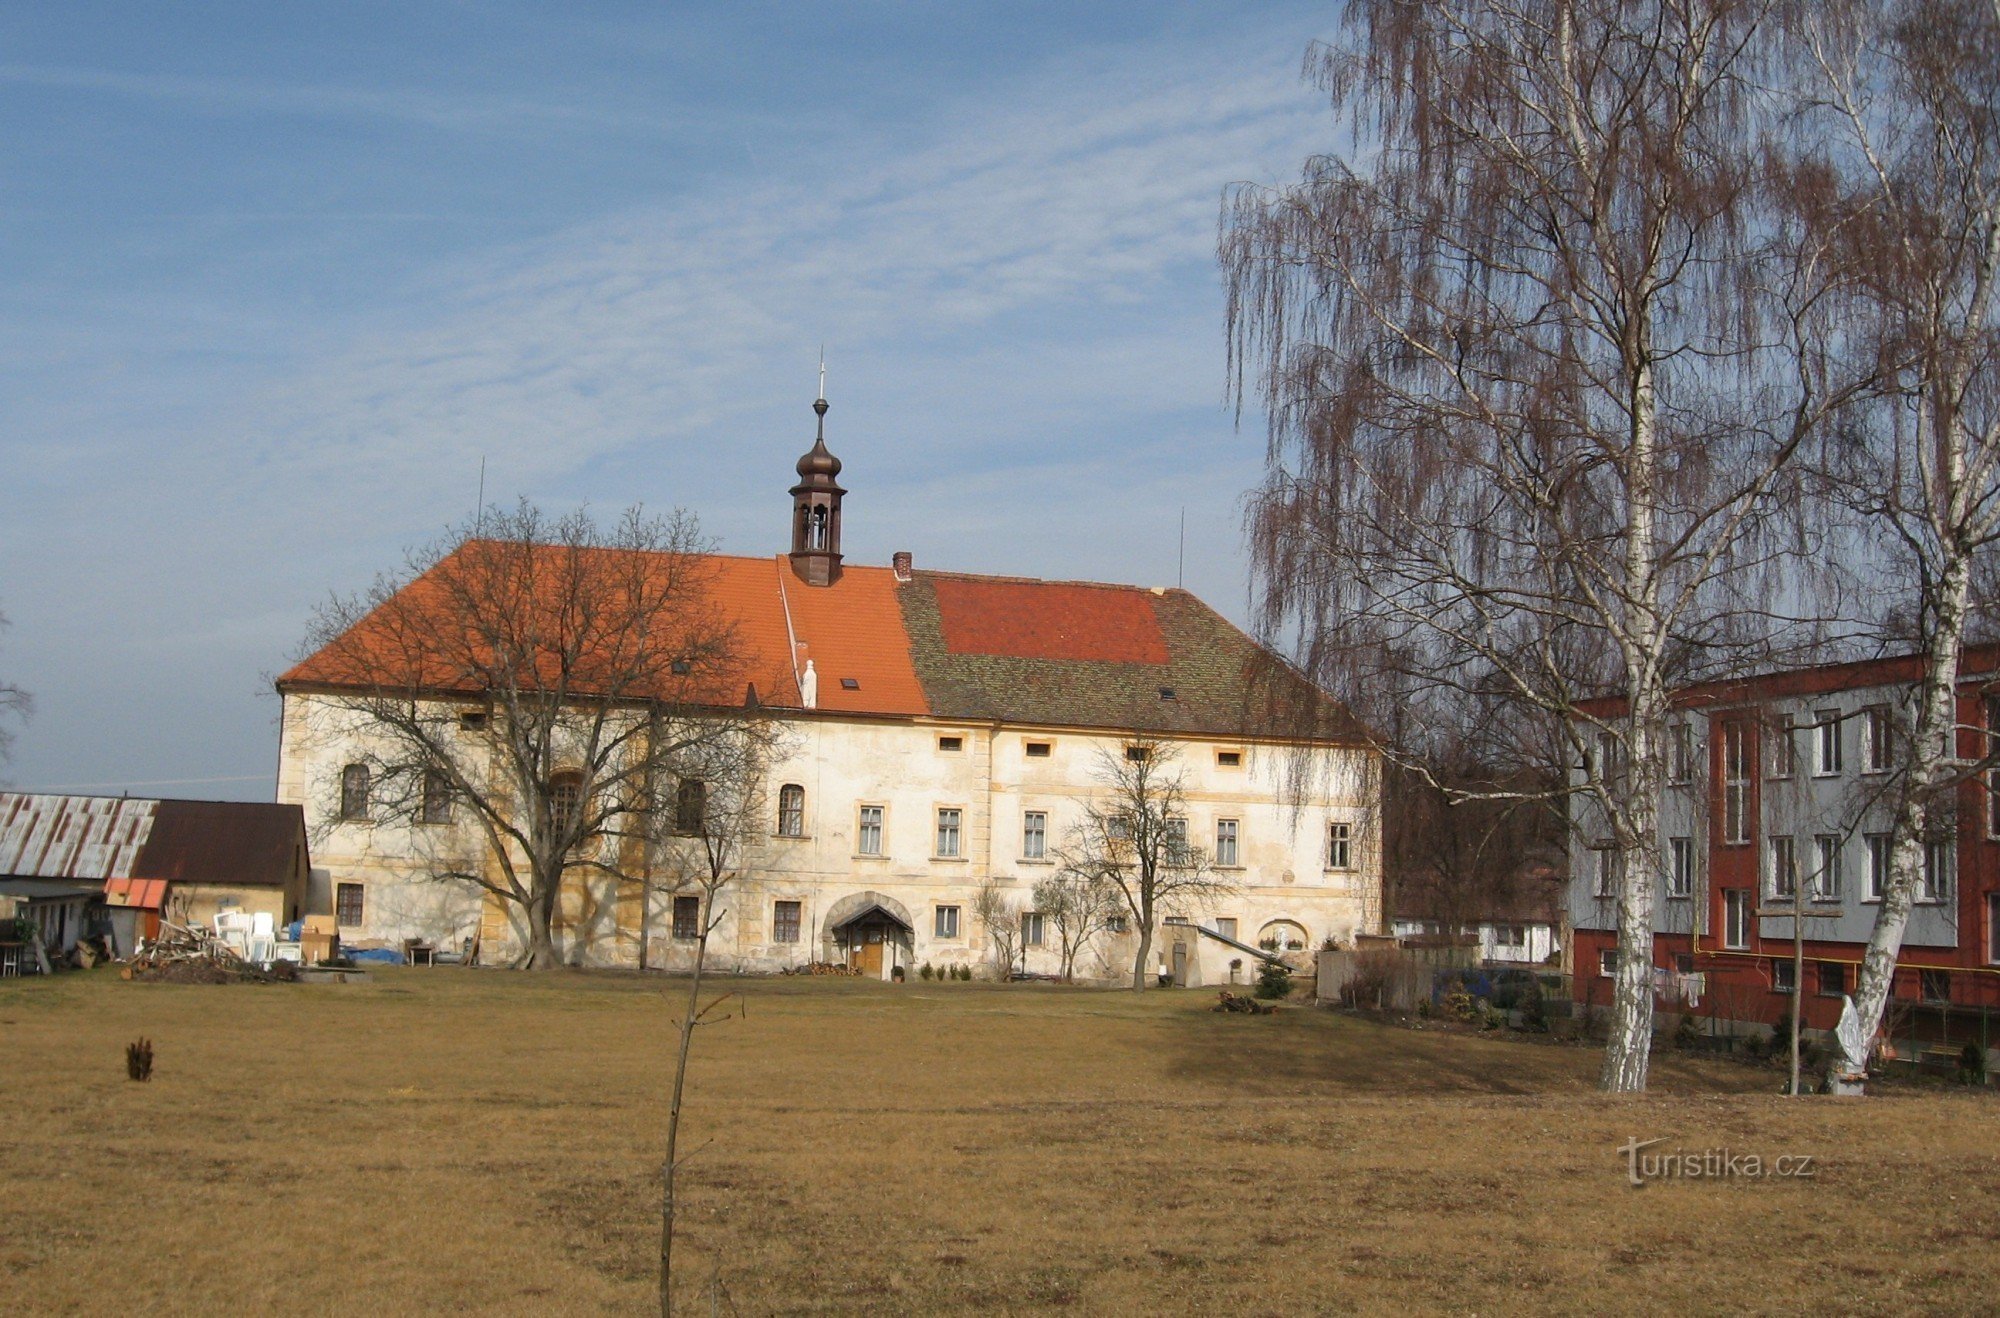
(1907, 129)
(1535, 355)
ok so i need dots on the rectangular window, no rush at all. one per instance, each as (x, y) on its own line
(1031, 929)
(347, 904)
(951, 745)
(1938, 865)
(947, 832)
(1038, 750)
(785, 922)
(690, 806)
(687, 918)
(868, 839)
(1737, 910)
(1784, 750)
(1832, 979)
(1784, 871)
(1680, 867)
(1935, 985)
(354, 792)
(1116, 924)
(1177, 841)
(1034, 835)
(472, 720)
(1510, 935)
(1735, 784)
(1225, 842)
(944, 923)
(1783, 980)
(1680, 753)
(1606, 760)
(1993, 775)
(1993, 928)
(1684, 962)
(437, 798)
(1604, 870)
(1826, 868)
(1607, 961)
(1118, 828)
(1878, 865)
(1826, 742)
(1136, 754)
(1339, 846)
(1229, 759)
(1226, 926)
(791, 810)
(1879, 732)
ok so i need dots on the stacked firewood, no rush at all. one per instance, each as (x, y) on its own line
(1227, 1001)
(190, 955)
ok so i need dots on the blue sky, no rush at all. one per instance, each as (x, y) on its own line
(276, 278)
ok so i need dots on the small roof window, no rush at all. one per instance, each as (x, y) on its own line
(850, 684)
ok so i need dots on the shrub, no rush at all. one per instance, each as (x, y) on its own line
(1535, 1012)
(1972, 1064)
(924, 971)
(1274, 980)
(1372, 973)
(1687, 1035)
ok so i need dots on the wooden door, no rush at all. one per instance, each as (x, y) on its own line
(869, 959)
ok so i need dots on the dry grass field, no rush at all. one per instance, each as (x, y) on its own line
(467, 1140)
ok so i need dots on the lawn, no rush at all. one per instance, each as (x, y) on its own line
(475, 1140)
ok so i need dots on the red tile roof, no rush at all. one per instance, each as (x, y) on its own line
(948, 645)
(1049, 620)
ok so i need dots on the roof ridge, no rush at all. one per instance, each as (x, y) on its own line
(1053, 581)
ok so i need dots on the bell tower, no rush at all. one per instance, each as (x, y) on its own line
(816, 507)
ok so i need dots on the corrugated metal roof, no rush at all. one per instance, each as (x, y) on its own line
(114, 837)
(72, 837)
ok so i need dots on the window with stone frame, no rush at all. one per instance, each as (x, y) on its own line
(354, 784)
(687, 918)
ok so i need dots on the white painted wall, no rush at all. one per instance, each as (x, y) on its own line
(1283, 884)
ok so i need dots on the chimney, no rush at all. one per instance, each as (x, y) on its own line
(900, 560)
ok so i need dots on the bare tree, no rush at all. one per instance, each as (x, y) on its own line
(1133, 839)
(519, 693)
(15, 703)
(1077, 905)
(1906, 127)
(1536, 353)
(718, 812)
(995, 911)
(1465, 843)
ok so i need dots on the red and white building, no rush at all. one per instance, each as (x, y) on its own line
(1784, 784)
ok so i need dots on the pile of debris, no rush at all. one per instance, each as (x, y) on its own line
(1227, 1001)
(824, 968)
(192, 955)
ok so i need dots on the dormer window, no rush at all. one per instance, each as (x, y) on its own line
(1166, 693)
(682, 667)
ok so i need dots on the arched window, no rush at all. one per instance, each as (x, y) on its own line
(354, 792)
(792, 810)
(565, 799)
(819, 528)
(690, 805)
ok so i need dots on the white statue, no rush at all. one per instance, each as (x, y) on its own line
(1853, 1043)
(809, 687)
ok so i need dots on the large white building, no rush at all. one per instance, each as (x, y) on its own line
(943, 729)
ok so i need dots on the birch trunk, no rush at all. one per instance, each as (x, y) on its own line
(1929, 770)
